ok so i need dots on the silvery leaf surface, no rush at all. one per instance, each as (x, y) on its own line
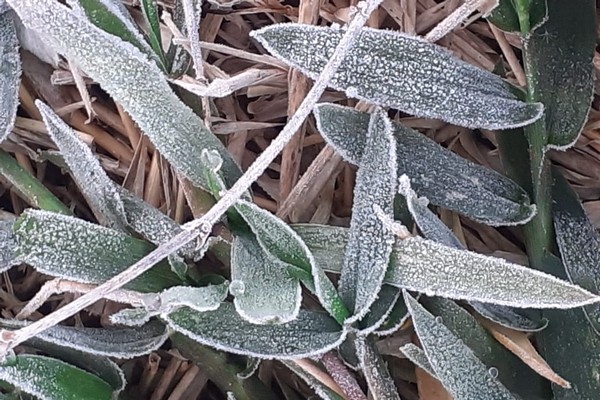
(392, 69)
(436, 270)
(278, 239)
(455, 365)
(380, 310)
(309, 335)
(418, 357)
(8, 246)
(436, 173)
(326, 243)
(370, 240)
(94, 183)
(70, 248)
(50, 379)
(132, 80)
(381, 385)
(10, 73)
(265, 292)
(578, 242)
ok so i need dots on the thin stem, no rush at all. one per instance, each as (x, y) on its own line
(201, 227)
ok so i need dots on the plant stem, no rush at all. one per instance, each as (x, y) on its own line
(522, 7)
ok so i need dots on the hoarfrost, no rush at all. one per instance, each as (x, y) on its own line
(10, 76)
(8, 246)
(417, 357)
(405, 72)
(381, 385)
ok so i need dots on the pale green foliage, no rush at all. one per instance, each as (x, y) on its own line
(10, 73)
(381, 384)
(396, 70)
(7, 246)
(418, 357)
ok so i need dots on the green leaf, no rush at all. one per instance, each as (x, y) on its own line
(150, 10)
(8, 246)
(95, 185)
(418, 357)
(264, 290)
(446, 179)
(76, 250)
(571, 347)
(385, 67)
(50, 379)
(578, 242)
(505, 17)
(437, 270)
(27, 186)
(10, 73)
(130, 79)
(370, 240)
(455, 365)
(380, 310)
(381, 384)
(558, 59)
(310, 335)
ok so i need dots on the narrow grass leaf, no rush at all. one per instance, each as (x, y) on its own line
(310, 335)
(264, 290)
(436, 270)
(96, 186)
(436, 173)
(571, 347)
(558, 57)
(278, 239)
(370, 241)
(8, 246)
(51, 379)
(405, 72)
(150, 10)
(505, 17)
(509, 317)
(578, 242)
(455, 365)
(76, 250)
(134, 81)
(322, 390)
(381, 385)
(418, 357)
(10, 73)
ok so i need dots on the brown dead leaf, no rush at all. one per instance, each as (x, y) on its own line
(429, 387)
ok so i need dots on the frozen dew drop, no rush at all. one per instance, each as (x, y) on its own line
(439, 320)
(335, 26)
(352, 91)
(493, 371)
(237, 288)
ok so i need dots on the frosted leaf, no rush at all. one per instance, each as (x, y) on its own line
(92, 180)
(417, 357)
(283, 243)
(370, 241)
(404, 72)
(558, 56)
(51, 379)
(433, 229)
(252, 365)
(271, 295)
(10, 73)
(70, 248)
(323, 391)
(381, 385)
(455, 365)
(200, 299)
(132, 80)
(578, 242)
(424, 266)
(326, 243)
(446, 179)
(394, 320)
(309, 335)
(379, 310)
(8, 246)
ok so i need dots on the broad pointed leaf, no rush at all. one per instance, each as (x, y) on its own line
(558, 57)
(8, 246)
(455, 365)
(10, 73)
(51, 379)
(265, 291)
(578, 242)
(396, 70)
(73, 249)
(370, 240)
(418, 357)
(310, 335)
(137, 84)
(446, 179)
(380, 310)
(381, 384)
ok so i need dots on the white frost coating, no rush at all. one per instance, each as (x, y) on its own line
(455, 365)
(437, 270)
(445, 178)
(379, 310)
(326, 243)
(418, 357)
(310, 335)
(132, 80)
(323, 391)
(36, 44)
(10, 73)
(96, 186)
(277, 238)
(405, 72)
(40, 376)
(8, 246)
(370, 241)
(271, 295)
(381, 385)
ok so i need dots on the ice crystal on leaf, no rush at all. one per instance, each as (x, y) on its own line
(10, 73)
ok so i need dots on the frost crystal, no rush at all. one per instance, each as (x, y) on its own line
(10, 73)
(404, 72)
